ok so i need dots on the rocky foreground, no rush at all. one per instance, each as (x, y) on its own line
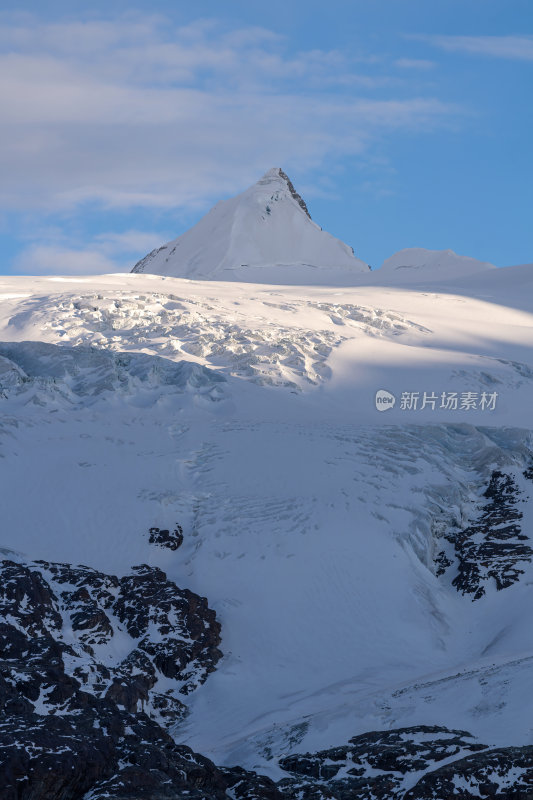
(94, 669)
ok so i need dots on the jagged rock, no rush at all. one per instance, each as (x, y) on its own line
(108, 753)
(73, 728)
(132, 681)
(499, 774)
(89, 603)
(103, 753)
(294, 194)
(40, 756)
(164, 538)
(492, 547)
(373, 765)
(123, 752)
(25, 596)
(384, 765)
(187, 635)
(61, 708)
(442, 563)
(53, 615)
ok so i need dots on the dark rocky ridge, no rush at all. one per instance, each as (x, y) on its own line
(105, 752)
(386, 765)
(74, 726)
(69, 723)
(493, 546)
(528, 473)
(294, 193)
(375, 765)
(165, 538)
(503, 774)
(56, 620)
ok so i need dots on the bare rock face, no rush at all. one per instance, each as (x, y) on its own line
(493, 547)
(104, 753)
(176, 629)
(78, 723)
(496, 774)
(165, 538)
(294, 194)
(75, 719)
(168, 631)
(407, 764)
(374, 765)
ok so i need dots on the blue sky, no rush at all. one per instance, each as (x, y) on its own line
(402, 123)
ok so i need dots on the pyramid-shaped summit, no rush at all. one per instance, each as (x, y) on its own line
(264, 235)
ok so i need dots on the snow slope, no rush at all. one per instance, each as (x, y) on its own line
(311, 520)
(264, 234)
(416, 264)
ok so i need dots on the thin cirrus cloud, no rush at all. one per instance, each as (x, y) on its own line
(135, 113)
(517, 48)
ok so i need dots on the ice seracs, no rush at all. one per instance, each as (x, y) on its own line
(417, 263)
(371, 573)
(265, 235)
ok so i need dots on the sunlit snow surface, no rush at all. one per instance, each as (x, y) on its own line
(264, 234)
(246, 413)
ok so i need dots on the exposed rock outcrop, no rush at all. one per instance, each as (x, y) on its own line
(58, 623)
(374, 765)
(81, 715)
(294, 194)
(496, 774)
(418, 763)
(493, 547)
(165, 538)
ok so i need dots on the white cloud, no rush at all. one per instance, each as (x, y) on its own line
(128, 242)
(43, 259)
(106, 253)
(518, 48)
(137, 113)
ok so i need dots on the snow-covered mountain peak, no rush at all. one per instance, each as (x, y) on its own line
(274, 175)
(278, 180)
(414, 263)
(263, 235)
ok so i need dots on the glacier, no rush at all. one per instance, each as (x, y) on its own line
(327, 536)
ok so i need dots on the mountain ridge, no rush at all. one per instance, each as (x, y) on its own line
(266, 234)
(262, 232)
